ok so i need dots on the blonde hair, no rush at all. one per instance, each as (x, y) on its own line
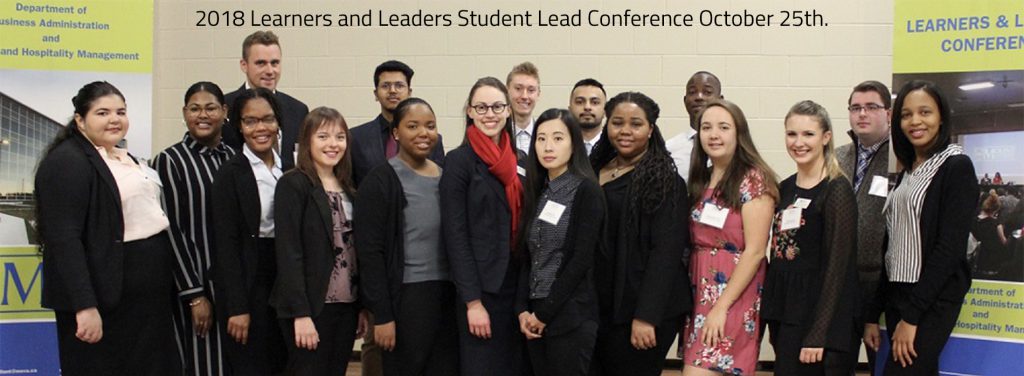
(525, 68)
(816, 111)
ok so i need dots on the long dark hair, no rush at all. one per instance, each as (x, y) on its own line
(655, 176)
(235, 109)
(317, 118)
(82, 102)
(537, 175)
(495, 83)
(901, 145)
(745, 158)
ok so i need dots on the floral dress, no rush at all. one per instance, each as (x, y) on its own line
(716, 252)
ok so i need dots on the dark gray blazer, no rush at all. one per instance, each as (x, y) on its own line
(870, 222)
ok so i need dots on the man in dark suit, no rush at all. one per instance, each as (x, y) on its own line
(372, 143)
(865, 162)
(261, 63)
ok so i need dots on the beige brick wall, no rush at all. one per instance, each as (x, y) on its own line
(763, 70)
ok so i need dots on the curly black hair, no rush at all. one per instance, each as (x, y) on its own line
(655, 177)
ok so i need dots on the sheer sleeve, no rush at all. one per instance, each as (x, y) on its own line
(839, 253)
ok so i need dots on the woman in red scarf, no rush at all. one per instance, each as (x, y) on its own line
(480, 205)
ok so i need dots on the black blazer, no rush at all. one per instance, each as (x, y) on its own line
(572, 299)
(476, 224)
(949, 207)
(368, 148)
(379, 220)
(82, 228)
(305, 251)
(293, 111)
(236, 220)
(649, 265)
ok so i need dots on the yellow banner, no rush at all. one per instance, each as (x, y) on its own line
(107, 36)
(23, 284)
(957, 36)
(993, 309)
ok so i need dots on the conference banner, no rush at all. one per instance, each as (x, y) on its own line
(974, 51)
(48, 49)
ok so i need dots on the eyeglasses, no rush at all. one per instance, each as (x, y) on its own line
(870, 107)
(481, 108)
(250, 122)
(387, 86)
(210, 110)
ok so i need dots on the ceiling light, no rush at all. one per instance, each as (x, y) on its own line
(977, 86)
(1015, 105)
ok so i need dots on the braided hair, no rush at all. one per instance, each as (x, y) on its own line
(655, 178)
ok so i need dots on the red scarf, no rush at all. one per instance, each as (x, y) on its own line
(501, 162)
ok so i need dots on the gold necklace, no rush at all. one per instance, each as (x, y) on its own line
(620, 167)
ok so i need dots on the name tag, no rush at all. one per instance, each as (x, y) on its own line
(802, 203)
(713, 216)
(521, 170)
(791, 218)
(552, 212)
(879, 186)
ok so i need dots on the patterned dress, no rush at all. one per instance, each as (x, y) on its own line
(716, 252)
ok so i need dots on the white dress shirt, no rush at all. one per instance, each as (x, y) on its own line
(266, 182)
(680, 148)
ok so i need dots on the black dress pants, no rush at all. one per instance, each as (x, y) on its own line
(614, 354)
(264, 352)
(503, 353)
(427, 339)
(787, 341)
(565, 354)
(336, 326)
(138, 334)
(933, 331)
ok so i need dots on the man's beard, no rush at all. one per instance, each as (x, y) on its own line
(588, 126)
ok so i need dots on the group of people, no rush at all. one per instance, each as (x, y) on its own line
(577, 242)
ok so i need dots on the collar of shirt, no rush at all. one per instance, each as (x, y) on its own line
(247, 87)
(593, 141)
(194, 144)
(528, 129)
(563, 181)
(870, 149)
(254, 160)
(116, 155)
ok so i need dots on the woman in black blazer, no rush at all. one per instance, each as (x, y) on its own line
(563, 210)
(106, 255)
(480, 203)
(403, 266)
(315, 293)
(244, 264)
(929, 215)
(642, 280)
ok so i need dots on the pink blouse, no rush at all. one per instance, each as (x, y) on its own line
(139, 186)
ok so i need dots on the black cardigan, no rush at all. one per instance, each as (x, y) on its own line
(949, 207)
(82, 228)
(236, 214)
(650, 278)
(379, 220)
(305, 250)
(572, 299)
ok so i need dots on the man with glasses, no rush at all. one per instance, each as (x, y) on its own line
(865, 161)
(702, 88)
(372, 143)
(586, 103)
(523, 89)
(261, 63)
